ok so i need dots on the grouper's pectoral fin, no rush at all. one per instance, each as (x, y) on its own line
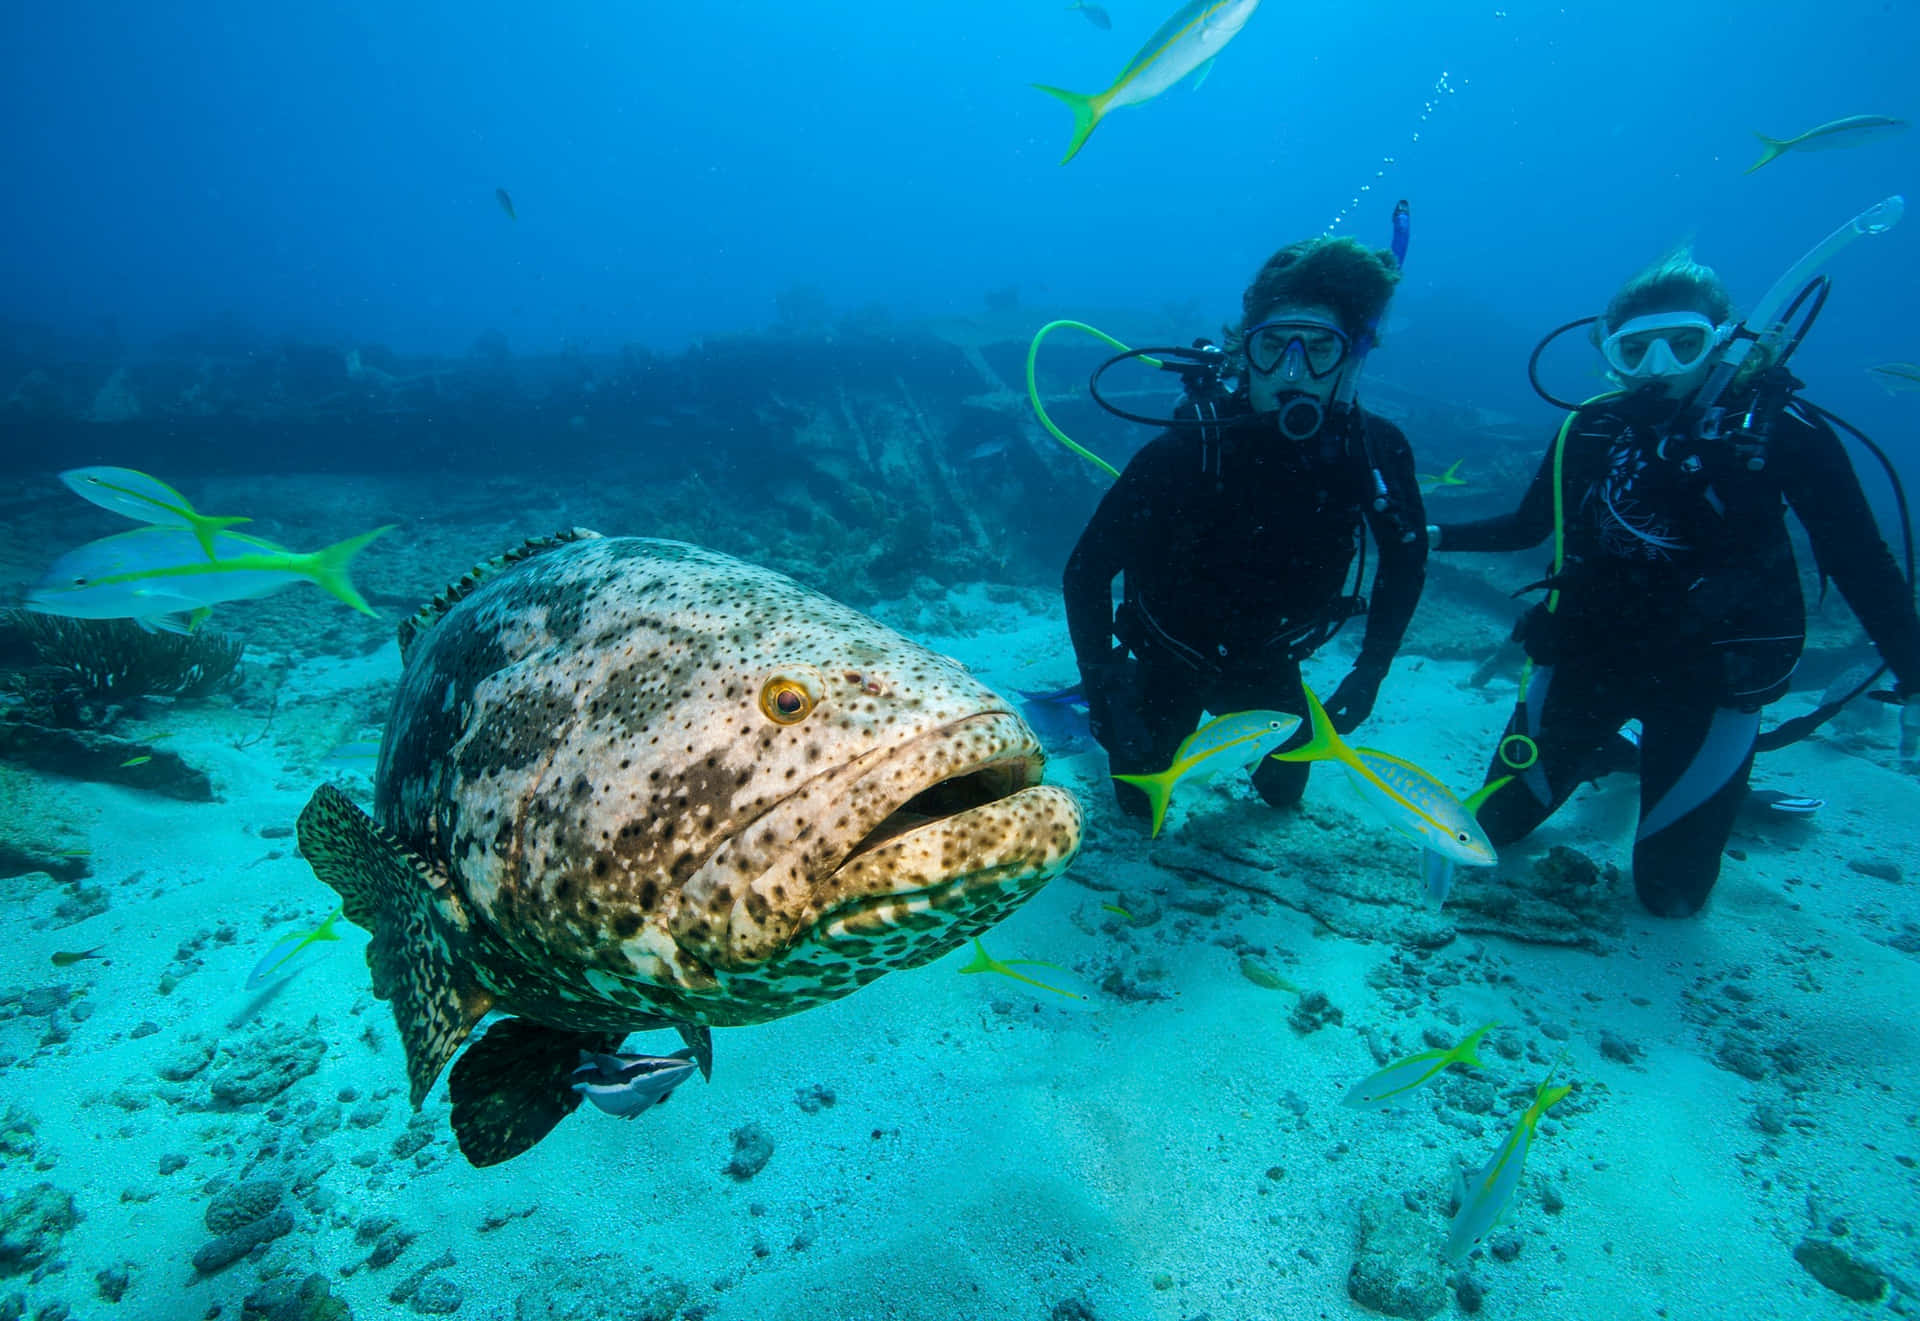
(514, 1084)
(417, 927)
(700, 1041)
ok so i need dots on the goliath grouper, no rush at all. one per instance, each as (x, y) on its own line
(632, 784)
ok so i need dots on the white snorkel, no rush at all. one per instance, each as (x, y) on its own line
(1764, 327)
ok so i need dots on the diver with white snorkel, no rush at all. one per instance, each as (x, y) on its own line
(1673, 596)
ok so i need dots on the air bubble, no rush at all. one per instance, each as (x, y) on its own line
(1442, 86)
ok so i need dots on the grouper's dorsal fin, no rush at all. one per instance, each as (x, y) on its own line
(429, 614)
(417, 953)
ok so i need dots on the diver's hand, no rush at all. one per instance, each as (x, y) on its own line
(1353, 700)
(1433, 536)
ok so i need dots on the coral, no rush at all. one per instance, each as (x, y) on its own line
(32, 1224)
(1840, 1270)
(752, 1149)
(117, 658)
(85, 754)
(310, 1300)
(1395, 1271)
(16, 1134)
(239, 1205)
(262, 1069)
(222, 1252)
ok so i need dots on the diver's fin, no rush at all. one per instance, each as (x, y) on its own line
(416, 923)
(1770, 149)
(429, 614)
(514, 1084)
(1789, 804)
(700, 1041)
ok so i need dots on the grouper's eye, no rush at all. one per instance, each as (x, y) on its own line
(789, 696)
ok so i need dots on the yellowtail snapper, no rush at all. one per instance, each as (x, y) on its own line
(151, 573)
(1403, 1076)
(1853, 131)
(1489, 1191)
(1229, 742)
(1412, 801)
(145, 499)
(292, 952)
(1189, 40)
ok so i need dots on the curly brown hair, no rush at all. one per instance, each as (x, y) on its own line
(1342, 275)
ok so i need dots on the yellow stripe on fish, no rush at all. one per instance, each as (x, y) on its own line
(1185, 42)
(1410, 799)
(1492, 1188)
(1228, 742)
(1405, 1075)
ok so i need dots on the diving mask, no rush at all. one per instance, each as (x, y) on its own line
(1663, 344)
(1297, 349)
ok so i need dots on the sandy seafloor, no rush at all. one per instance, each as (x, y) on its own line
(1174, 1152)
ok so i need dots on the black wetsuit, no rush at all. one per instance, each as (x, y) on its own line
(1678, 604)
(1235, 545)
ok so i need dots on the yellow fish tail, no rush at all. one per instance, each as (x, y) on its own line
(1159, 791)
(1770, 148)
(328, 568)
(1325, 743)
(1467, 1052)
(1087, 113)
(206, 527)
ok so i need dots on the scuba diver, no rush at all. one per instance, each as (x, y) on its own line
(1674, 597)
(1234, 530)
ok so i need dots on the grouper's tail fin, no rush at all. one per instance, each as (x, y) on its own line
(514, 1084)
(416, 923)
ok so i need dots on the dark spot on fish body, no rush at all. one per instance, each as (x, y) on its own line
(626, 925)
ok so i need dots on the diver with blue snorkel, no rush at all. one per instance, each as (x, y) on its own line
(1673, 597)
(1235, 530)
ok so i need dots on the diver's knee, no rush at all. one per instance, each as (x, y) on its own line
(1670, 896)
(1281, 783)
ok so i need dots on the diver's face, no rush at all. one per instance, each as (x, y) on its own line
(1663, 356)
(1295, 349)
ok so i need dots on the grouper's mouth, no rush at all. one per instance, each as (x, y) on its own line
(951, 797)
(893, 859)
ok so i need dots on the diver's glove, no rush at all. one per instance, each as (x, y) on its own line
(1353, 700)
(1433, 536)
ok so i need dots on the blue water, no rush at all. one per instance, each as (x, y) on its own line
(199, 192)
